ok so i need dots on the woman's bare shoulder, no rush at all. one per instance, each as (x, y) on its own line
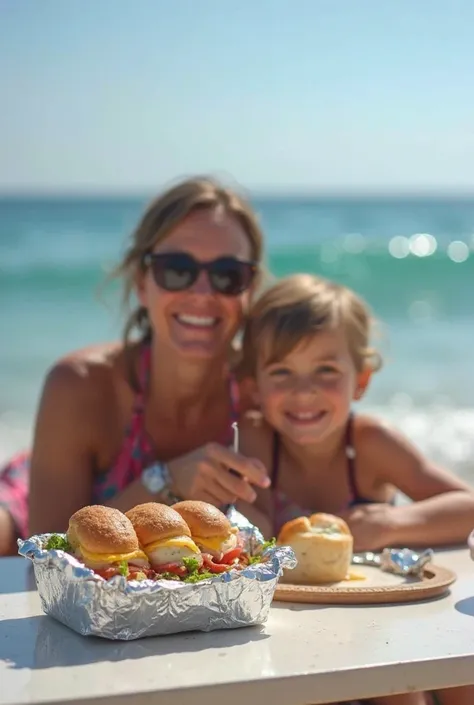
(88, 375)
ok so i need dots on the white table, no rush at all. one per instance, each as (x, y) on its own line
(304, 654)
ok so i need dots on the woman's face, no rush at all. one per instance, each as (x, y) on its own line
(197, 321)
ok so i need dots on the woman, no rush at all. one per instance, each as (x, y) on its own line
(150, 417)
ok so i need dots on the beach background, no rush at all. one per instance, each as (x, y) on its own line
(348, 123)
(411, 258)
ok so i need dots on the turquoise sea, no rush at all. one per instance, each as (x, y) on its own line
(412, 258)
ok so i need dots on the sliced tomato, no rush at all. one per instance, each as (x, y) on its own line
(175, 568)
(133, 571)
(107, 573)
(230, 556)
(214, 567)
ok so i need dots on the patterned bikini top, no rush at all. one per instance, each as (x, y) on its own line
(137, 451)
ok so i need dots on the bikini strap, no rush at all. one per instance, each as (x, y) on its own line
(144, 366)
(136, 447)
(351, 457)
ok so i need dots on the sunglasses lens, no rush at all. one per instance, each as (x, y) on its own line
(230, 276)
(174, 272)
(178, 271)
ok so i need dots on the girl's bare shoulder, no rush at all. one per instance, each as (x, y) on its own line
(374, 441)
(374, 436)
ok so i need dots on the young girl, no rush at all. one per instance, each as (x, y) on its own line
(306, 359)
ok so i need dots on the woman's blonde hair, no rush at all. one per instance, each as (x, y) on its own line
(298, 307)
(162, 216)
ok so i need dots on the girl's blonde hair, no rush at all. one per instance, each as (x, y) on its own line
(298, 307)
(162, 216)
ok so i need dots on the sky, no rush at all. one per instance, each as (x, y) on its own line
(117, 96)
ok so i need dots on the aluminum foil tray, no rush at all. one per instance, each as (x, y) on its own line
(117, 609)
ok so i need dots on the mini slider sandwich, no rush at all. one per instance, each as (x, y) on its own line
(191, 541)
(212, 533)
(323, 547)
(105, 541)
(165, 538)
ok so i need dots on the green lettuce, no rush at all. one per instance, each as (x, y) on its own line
(58, 543)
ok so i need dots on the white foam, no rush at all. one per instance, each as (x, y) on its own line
(444, 434)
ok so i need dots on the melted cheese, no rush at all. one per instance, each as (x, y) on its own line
(214, 544)
(217, 544)
(352, 575)
(112, 557)
(177, 542)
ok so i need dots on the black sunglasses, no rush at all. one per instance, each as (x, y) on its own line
(177, 271)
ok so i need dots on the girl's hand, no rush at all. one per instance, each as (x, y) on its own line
(372, 526)
(204, 474)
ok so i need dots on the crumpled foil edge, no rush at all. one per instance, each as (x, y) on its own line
(401, 561)
(118, 609)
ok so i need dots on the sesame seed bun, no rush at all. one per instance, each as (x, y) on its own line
(101, 529)
(204, 519)
(153, 522)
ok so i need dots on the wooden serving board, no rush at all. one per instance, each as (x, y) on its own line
(377, 587)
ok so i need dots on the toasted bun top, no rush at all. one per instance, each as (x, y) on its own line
(155, 522)
(204, 519)
(309, 525)
(102, 530)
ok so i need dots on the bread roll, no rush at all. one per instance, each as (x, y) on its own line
(323, 546)
(102, 530)
(103, 537)
(210, 528)
(163, 533)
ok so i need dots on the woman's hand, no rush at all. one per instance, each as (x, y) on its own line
(372, 525)
(205, 474)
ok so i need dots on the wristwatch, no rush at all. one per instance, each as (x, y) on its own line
(156, 479)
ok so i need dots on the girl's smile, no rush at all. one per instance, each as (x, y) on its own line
(307, 396)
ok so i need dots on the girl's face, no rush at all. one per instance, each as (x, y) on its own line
(188, 314)
(307, 396)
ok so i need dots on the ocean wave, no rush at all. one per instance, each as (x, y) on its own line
(433, 286)
(87, 252)
(444, 434)
(374, 260)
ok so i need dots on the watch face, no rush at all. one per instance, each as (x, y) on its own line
(154, 478)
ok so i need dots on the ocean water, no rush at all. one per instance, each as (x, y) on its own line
(411, 258)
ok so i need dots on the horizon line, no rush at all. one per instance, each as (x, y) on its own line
(258, 193)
